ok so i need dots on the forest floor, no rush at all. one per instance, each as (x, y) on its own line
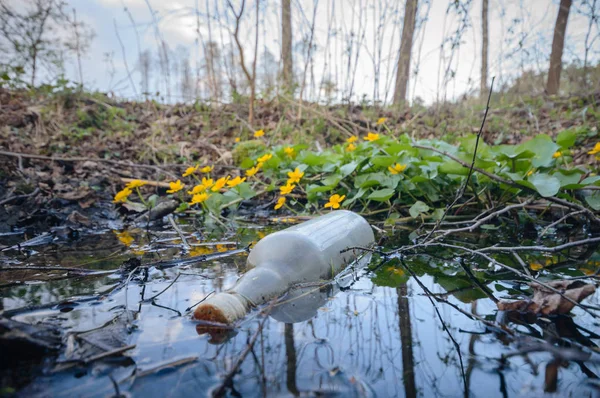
(69, 151)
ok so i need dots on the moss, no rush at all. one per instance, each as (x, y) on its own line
(247, 149)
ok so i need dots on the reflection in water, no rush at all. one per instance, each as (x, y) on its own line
(408, 366)
(370, 338)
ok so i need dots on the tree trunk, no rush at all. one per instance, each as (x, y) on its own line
(558, 43)
(484, 49)
(286, 46)
(403, 73)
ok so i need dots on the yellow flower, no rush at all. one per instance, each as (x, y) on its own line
(221, 248)
(122, 195)
(351, 147)
(280, 202)
(289, 151)
(380, 121)
(125, 238)
(207, 169)
(237, 139)
(199, 250)
(199, 198)
(530, 172)
(371, 136)
(236, 181)
(190, 170)
(135, 184)
(250, 172)
(259, 133)
(536, 266)
(596, 149)
(175, 186)
(352, 139)
(397, 168)
(264, 158)
(286, 189)
(295, 176)
(207, 182)
(557, 154)
(196, 190)
(334, 201)
(220, 184)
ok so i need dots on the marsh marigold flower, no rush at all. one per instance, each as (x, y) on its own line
(220, 184)
(280, 202)
(190, 170)
(286, 189)
(237, 139)
(207, 169)
(352, 139)
(397, 168)
(259, 133)
(207, 182)
(536, 266)
(125, 238)
(371, 136)
(381, 120)
(295, 176)
(557, 154)
(122, 195)
(351, 147)
(264, 158)
(196, 190)
(289, 151)
(596, 149)
(135, 184)
(175, 186)
(251, 171)
(199, 198)
(236, 181)
(334, 201)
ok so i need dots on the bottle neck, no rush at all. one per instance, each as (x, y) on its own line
(260, 285)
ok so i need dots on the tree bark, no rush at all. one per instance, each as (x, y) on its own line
(403, 72)
(286, 46)
(558, 43)
(484, 49)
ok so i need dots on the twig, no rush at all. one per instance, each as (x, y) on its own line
(162, 291)
(220, 391)
(186, 246)
(542, 248)
(85, 159)
(555, 223)
(18, 197)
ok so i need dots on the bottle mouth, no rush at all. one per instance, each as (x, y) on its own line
(222, 308)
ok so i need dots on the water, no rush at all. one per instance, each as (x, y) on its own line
(380, 337)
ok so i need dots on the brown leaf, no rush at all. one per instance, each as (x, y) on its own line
(547, 302)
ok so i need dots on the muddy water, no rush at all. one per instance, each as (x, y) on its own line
(379, 335)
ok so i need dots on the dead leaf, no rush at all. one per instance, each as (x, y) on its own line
(77, 218)
(547, 302)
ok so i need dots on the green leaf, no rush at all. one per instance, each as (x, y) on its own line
(544, 148)
(438, 214)
(245, 190)
(566, 138)
(247, 163)
(381, 195)
(312, 159)
(545, 184)
(452, 167)
(348, 168)
(593, 200)
(382, 161)
(418, 208)
(358, 195)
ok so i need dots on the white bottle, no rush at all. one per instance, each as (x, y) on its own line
(306, 252)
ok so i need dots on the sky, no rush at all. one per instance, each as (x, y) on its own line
(530, 22)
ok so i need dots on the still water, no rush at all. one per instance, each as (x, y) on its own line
(375, 335)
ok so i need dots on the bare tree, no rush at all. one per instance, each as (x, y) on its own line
(484, 48)
(30, 36)
(403, 72)
(145, 67)
(250, 77)
(558, 43)
(286, 46)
